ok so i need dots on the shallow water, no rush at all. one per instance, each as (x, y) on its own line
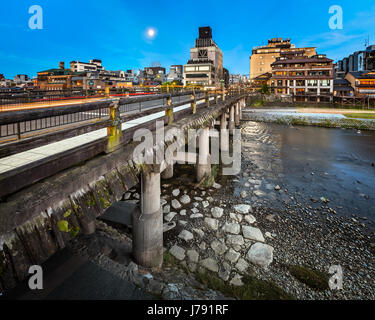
(311, 162)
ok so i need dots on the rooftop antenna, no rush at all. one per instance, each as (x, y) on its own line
(367, 41)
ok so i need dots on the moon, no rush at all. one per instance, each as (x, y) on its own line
(151, 33)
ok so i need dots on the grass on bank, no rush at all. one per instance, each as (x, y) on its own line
(253, 289)
(312, 278)
(360, 115)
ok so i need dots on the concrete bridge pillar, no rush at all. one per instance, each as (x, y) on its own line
(224, 134)
(148, 223)
(231, 120)
(204, 161)
(168, 172)
(237, 114)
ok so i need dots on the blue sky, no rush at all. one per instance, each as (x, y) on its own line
(113, 31)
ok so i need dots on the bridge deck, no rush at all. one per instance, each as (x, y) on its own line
(20, 159)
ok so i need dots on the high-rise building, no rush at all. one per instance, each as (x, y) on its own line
(263, 56)
(205, 66)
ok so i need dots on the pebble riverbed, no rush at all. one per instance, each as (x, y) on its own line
(234, 228)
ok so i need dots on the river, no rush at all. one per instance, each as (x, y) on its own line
(310, 163)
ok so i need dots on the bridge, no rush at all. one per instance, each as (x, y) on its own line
(63, 167)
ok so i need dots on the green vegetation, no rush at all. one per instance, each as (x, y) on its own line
(314, 279)
(171, 261)
(253, 289)
(257, 104)
(360, 115)
(265, 89)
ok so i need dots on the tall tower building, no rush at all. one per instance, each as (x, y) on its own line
(205, 66)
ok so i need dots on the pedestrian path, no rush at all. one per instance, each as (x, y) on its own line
(23, 158)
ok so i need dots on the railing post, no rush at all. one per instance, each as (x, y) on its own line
(216, 97)
(223, 90)
(114, 131)
(193, 102)
(169, 111)
(207, 98)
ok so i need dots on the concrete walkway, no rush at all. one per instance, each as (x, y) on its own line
(32, 155)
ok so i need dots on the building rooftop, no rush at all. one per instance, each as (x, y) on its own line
(363, 74)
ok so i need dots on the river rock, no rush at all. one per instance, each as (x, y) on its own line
(196, 216)
(199, 232)
(242, 265)
(176, 192)
(252, 233)
(218, 247)
(243, 194)
(250, 219)
(186, 235)
(205, 204)
(236, 240)
(260, 254)
(212, 223)
(232, 256)
(243, 208)
(169, 217)
(233, 228)
(236, 281)
(193, 256)
(216, 186)
(183, 212)
(177, 252)
(217, 212)
(185, 199)
(176, 204)
(167, 208)
(210, 264)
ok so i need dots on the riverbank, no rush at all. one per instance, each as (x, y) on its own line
(208, 252)
(327, 118)
(301, 204)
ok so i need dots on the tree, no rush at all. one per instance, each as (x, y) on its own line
(265, 89)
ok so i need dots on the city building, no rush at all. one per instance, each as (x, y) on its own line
(235, 79)
(93, 65)
(342, 88)
(357, 62)
(263, 56)
(22, 80)
(154, 75)
(226, 77)
(176, 74)
(362, 82)
(259, 82)
(297, 74)
(205, 66)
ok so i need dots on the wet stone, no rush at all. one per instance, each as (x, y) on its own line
(177, 252)
(212, 223)
(217, 212)
(218, 247)
(210, 264)
(252, 233)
